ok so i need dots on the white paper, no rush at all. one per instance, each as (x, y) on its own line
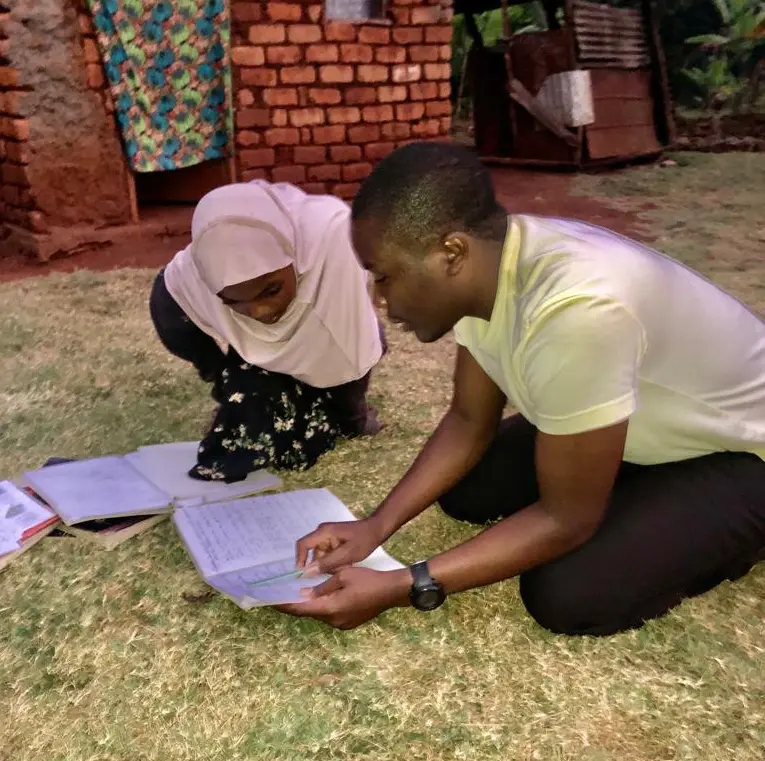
(228, 536)
(18, 513)
(97, 488)
(235, 544)
(167, 467)
(9, 539)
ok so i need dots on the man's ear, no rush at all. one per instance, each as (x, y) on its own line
(455, 247)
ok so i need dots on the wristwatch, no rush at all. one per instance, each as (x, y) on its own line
(425, 593)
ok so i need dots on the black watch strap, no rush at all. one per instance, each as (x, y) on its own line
(420, 574)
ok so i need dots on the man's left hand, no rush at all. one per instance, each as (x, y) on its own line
(352, 596)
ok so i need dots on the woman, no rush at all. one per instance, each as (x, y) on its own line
(271, 306)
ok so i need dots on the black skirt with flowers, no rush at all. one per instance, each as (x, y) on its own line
(264, 419)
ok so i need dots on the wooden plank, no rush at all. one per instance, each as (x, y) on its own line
(663, 95)
(615, 112)
(608, 83)
(612, 142)
(596, 35)
(607, 11)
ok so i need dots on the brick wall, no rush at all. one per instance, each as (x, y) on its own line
(94, 69)
(317, 103)
(17, 203)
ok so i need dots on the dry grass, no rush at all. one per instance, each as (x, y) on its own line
(101, 658)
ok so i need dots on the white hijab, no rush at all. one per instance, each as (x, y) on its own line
(329, 335)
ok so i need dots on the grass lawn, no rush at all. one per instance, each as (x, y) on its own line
(102, 658)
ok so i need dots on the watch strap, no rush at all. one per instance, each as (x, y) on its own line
(420, 574)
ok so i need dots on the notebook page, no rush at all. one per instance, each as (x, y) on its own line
(167, 466)
(232, 536)
(103, 487)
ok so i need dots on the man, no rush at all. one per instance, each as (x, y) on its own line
(634, 475)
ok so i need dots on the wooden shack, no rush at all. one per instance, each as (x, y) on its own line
(589, 90)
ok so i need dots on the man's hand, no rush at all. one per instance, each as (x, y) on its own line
(353, 596)
(339, 544)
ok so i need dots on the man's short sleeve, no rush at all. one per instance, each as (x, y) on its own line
(580, 364)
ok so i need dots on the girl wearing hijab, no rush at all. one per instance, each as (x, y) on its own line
(270, 304)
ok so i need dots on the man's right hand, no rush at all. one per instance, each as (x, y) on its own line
(339, 544)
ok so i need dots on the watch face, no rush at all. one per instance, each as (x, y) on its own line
(429, 598)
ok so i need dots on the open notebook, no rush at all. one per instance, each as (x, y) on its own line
(150, 481)
(246, 549)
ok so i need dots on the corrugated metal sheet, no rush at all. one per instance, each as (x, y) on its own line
(608, 36)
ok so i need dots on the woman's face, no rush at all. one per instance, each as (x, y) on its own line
(265, 299)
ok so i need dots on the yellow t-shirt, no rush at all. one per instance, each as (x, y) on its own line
(590, 328)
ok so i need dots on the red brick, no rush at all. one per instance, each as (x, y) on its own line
(258, 77)
(446, 124)
(409, 111)
(94, 76)
(11, 102)
(411, 72)
(283, 54)
(26, 199)
(360, 95)
(13, 174)
(427, 128)
(391, 93)
(340, 31)
(248, 55)
(325, 52)
(279, 117)
(282, 136)
(247, 12)
(429, 14)
(423, 53)
(440, 33)
(343, 153)
(367, 133)
(11, 194)
(355, 172)
(245, 97)
(303, 117)
(445, 53)
(375, 35)
(325, 96)
(372, 73)
(281, 96)
(15, 129)
(314, 188)
(86, 25)
(396, 130)
(315, 13)
(91, 51)
(5, 49)
(447, 15)
(247, 139)
(377, 151)
(303, 33)
(377, 113)
(336, 73)
(298, 75)
(9, 77)
(390, 54)
(254, 174)
(423, 90)
(310, 154)
(284, 12)
(346, 191)
(267, 34)
(257, 157)
(253, 117)
(444, 89)
(325, 135)
(407, 35)
(293, 174)
(344, 115)
(356, 53)
(438, 108)
(324, 172)
(18, 152)
(438, 71)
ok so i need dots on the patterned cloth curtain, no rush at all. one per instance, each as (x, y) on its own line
(167, 66)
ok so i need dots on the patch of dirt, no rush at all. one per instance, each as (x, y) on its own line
(743, 132)
(164, 231)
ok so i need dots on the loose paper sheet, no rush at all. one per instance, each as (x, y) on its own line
(18, 513)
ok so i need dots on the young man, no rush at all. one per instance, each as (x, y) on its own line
(634, 475)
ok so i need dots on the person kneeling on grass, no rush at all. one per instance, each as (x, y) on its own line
(634, 474)
(271, 305)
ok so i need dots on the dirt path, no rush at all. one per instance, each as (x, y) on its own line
(167, 230)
